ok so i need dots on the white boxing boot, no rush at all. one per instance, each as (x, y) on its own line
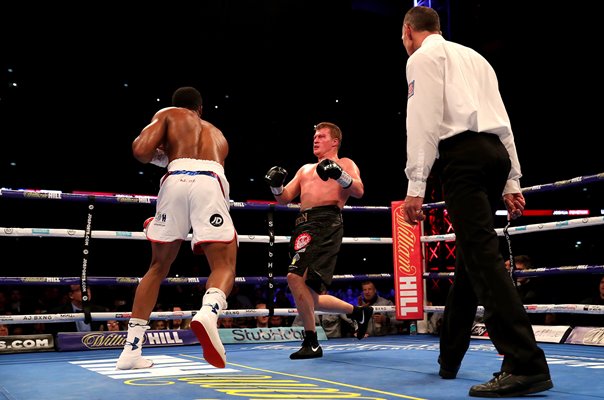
(205, 327)
(131, 357)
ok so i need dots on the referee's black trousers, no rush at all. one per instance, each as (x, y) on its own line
(474, 170)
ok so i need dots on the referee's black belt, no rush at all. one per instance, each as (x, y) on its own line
(462, 136)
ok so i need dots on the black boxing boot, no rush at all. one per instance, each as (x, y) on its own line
(310, 347)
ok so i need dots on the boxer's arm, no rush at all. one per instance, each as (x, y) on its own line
(357, 188)
(151, 139)
(327, 169)
(291, 190)
(349, 179)
(160, 158)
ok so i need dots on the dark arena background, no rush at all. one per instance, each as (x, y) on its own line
(76, 90)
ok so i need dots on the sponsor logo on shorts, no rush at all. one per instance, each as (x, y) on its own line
(216, 220)
(295, 259)
(302, 241)
(160, 217)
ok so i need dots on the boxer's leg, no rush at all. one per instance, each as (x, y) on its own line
(162, 257)
(222, 260)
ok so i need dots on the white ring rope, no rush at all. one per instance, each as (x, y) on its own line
(79, 233)
(516, 230)
(539, 308)
(104, 316)
(170, 315)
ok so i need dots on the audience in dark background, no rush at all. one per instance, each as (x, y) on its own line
(597, 298)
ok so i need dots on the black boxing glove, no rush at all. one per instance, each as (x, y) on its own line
(330, 169)
(275, 178)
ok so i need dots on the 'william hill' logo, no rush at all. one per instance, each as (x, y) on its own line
(100, 340)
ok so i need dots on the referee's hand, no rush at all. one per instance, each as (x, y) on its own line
(515, 203)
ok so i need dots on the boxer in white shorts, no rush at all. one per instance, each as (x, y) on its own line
(194, 194)
(208, 215)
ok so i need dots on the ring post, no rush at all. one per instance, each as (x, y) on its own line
(85, 258)
(408, 270)
(271, 254)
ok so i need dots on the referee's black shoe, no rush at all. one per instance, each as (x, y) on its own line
(505, 384)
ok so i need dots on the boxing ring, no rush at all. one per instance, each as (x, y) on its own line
(388, 367)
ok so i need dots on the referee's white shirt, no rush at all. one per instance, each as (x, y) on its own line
(451, 89)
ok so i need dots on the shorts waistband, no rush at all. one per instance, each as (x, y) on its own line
(309, 213)
(312, 210)
(193, 164)
(192, 173)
